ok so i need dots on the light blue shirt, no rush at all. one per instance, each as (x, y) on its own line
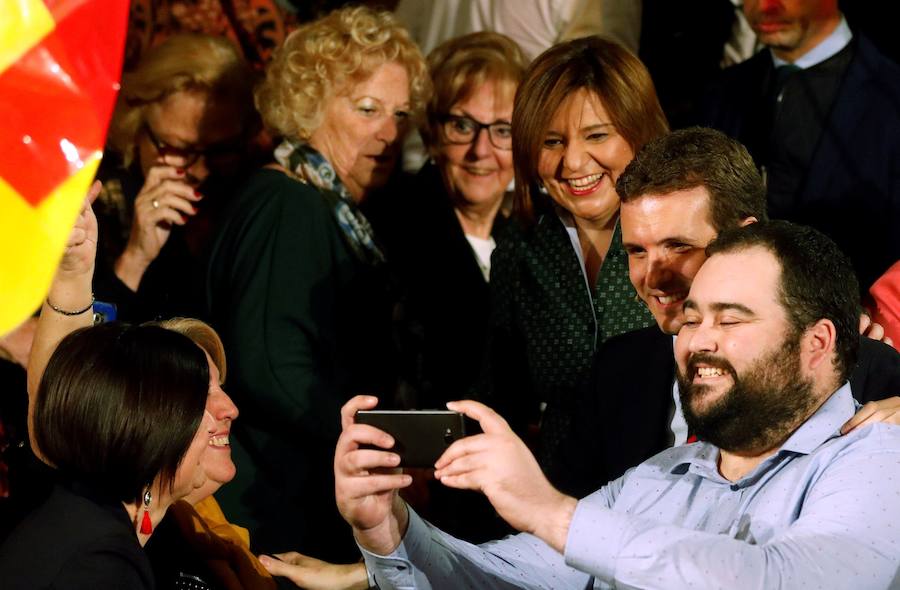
(678, 425)
(837, 40)
(823, 512)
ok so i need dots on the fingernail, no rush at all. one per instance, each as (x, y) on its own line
(180, 171)
(198, 195)
(184, 219)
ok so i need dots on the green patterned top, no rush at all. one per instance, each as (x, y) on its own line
(545, 325)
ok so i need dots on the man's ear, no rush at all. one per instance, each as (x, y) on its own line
(817, 345)
(747, 221)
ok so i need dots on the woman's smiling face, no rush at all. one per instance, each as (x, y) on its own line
(582, 156)
(478, 173)
(217, 461)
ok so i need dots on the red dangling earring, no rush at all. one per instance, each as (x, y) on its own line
(146, 524)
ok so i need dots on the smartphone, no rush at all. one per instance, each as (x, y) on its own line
(420, 436)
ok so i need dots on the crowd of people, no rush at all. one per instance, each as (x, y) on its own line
(677, 343)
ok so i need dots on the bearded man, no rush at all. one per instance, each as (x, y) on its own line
(770, 497)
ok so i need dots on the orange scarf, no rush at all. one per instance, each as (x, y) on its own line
(224, 547)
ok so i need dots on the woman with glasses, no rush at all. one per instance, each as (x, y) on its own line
(441, 229)
(177, 141)
(559, 283)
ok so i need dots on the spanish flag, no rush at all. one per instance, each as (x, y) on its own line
(60, 62)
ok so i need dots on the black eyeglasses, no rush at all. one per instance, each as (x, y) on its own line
(186, 157)
(460, 130)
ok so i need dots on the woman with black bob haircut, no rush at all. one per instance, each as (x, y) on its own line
(119, 413)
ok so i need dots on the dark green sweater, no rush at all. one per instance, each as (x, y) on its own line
(546, 324)
(306, 326)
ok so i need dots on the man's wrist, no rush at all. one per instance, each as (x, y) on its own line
(387, 536)
(553, 527)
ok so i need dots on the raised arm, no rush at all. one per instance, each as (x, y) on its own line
(68, 304)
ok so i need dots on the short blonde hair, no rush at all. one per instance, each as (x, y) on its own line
(461, 65)
(321, 58)
(203, 336)
(182, 63)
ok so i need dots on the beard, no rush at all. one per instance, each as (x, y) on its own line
(762, 408)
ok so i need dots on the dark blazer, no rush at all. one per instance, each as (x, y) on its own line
(306, 326)
(852, 189)
(624, 414)
(75, 541)
(446, 299)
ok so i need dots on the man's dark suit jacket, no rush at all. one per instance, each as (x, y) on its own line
(624, 415)
(852, 189)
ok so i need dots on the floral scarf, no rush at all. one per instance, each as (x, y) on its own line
(307, 163)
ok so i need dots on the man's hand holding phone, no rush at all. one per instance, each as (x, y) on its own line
(366, 480)
(500, 465)
(495, 462)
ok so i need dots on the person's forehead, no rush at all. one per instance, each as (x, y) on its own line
(193, 118)
(749, 277)
(388, 83)
(581, 107)
(487, 99)
(662, 216)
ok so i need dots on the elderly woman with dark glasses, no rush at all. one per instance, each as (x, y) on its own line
(178, 138)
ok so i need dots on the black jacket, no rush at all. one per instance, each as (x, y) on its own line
(75, 540)
(851, 191)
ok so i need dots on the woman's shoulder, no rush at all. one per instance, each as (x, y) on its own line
(516, 237)
(270, 186)
(71, 539)
(270, 198)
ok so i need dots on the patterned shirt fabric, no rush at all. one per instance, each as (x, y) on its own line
(546, 324)
(819, 513)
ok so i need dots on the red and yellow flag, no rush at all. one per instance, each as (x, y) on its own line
(60, 62)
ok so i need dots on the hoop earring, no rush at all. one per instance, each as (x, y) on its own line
(146, 524)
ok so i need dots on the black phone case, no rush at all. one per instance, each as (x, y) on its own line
(420, 436)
